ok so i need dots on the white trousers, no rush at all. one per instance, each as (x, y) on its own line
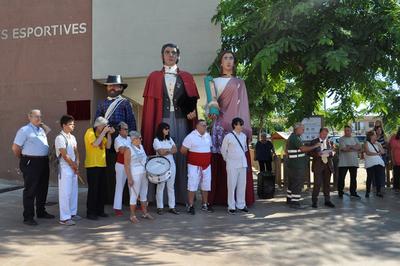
(236, 181)
(170, 190)
(120, 179)
(67, 193)
(139, 188)
(196, 176)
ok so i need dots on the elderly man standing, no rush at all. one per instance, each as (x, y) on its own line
(349, 147)
(31, 147)
(322, 166)
(296, 164)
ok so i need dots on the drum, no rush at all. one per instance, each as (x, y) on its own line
(158, 169)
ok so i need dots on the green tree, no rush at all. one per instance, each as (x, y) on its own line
(296, 52)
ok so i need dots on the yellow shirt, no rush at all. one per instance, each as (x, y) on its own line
(95, 156)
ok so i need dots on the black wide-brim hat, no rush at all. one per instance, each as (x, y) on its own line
(115, 80)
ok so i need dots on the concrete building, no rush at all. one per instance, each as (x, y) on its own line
(55, 54)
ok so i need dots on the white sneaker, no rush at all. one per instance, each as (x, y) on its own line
(67, 222)
(76, 218)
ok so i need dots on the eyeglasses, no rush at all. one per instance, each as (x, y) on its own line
(173, 53)
(124, 128)
(203, 125)
(166, 128)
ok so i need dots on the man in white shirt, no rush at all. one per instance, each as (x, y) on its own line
(121, 143)
(233, 150)
(349, 147)
(197, 147)
(67, 152)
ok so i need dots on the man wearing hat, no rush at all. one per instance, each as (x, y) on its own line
(115, 109)
(296, 164)
(170, 96)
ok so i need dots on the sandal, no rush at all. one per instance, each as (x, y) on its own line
(133, 219)
(147, 216)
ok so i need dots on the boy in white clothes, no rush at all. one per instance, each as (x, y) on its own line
(67, 152)
(233, 150)
(121, 143)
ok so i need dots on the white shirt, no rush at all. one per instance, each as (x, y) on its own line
(165, 144)
(232, 152)
(198, 143)
(220, 84)
(138, 159)
(371, 160)
(348, 159)
(121, 142)
(170, 81)
(68, 142)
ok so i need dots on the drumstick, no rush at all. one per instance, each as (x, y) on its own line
(81, 179)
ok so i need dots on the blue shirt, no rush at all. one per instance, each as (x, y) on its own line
(123, 113)
(32, 140)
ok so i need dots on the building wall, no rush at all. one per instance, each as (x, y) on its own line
(131, 44)
(44, 70)
(59, 51)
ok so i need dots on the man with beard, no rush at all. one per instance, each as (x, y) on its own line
(115, 109)
(170, 96)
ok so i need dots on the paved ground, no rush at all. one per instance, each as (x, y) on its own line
(357, 232)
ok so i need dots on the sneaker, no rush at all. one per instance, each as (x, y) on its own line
(207, 207)
(244, 209)
(159, 211)
(173, 211)
(232, 212)
(329, 204)
(147, 216)
(76, 218)
(45, 215)
(355, 196)
(379, 194)
(191, 210)
(30, 222)
(288, 200)
(118, 212)
(67, 222)
(314, 205)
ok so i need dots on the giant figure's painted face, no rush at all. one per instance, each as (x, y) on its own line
(114, 90)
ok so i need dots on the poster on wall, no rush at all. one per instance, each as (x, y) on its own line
(312, 126)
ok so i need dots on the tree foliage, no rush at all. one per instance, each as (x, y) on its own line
(294, 53)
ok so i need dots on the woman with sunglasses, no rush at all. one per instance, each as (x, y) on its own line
(164, 145)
